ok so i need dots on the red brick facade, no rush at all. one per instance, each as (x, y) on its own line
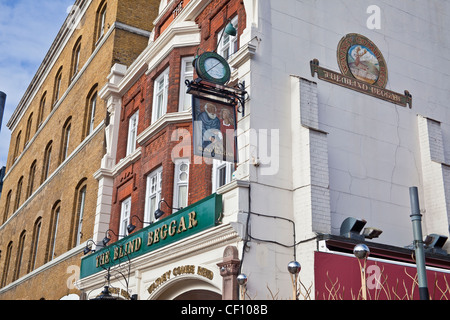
(157, 151)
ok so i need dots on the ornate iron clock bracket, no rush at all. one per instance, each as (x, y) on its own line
(233, 95)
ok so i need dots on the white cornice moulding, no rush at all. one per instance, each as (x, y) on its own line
(168, 118)
(183, 34)
(66, 255)
(125, 162)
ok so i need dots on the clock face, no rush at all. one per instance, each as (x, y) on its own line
(212, 67)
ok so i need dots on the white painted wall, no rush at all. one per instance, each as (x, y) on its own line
(374, 147)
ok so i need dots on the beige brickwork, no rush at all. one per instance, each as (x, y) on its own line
(51, 276)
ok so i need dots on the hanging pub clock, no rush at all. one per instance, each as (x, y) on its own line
(212, 67)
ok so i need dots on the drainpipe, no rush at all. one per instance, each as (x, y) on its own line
(416, 219)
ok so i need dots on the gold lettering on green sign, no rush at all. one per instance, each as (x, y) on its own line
(174, 227)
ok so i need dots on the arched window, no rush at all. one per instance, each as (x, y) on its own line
(17, 146)
(40, 117)
(6, 265)
(100, 21)
(65, 140)
(35, 244)
(76, 58)
(18, 194)
(78, 214)
(53, 231)
(47, 161)
(31, 177)
(19, 255)
(28, 131)
(7, 205)
(90, 110)
(57, 86)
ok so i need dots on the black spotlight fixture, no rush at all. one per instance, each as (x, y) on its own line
(131, 226)
(106, 239)
(159, 213)
(88, 247)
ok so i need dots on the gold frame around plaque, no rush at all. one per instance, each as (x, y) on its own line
(363, 69)
(360, 58)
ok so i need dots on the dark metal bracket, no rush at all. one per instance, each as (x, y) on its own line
(233, 95)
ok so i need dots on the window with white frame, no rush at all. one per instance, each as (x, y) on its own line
(80, 214)
(91, 110)
(132, 132)
(187, 73)
(101, 20)
(222, 173)
(161, 90)
(54, 231)
(124, 217)
(181, 180)
(153, 194)
(228, 45)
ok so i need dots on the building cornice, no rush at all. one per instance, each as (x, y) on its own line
(125, 162)
(168, 118)
(51, 264)
(55, 52)
(181, 33)
(49, 60)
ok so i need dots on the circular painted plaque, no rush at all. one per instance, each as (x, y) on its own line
(358, 57)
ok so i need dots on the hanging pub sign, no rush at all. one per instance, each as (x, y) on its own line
(214, 107)
(363, 69)
(214, 124)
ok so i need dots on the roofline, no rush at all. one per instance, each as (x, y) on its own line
(52, 54)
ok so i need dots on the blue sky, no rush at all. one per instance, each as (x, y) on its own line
(27, 30)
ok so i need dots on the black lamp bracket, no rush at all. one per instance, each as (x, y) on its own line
(236, 95)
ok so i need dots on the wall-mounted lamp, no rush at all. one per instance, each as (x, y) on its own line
(351, 228)
(131, 227)
(89, 247)
(106, 239)
(159, 213)
(294, 268)
(229, 30)
(362, 252)
(434, 243)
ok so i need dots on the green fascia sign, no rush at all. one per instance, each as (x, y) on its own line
(186, 222)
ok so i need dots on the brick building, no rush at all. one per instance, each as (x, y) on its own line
(48, 207)
(325, 146)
